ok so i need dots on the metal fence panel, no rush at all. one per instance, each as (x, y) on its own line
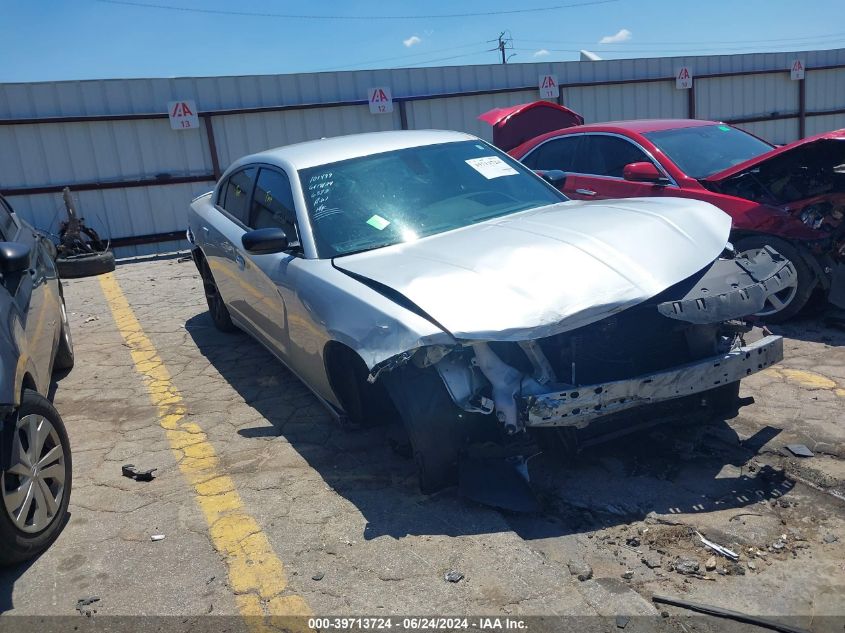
(56, 154)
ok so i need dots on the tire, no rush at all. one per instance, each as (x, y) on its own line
(76, 266)
(722, 399)
(792, 299)
(31, 534)
(64, 352)
(432, 422)
(216, 306)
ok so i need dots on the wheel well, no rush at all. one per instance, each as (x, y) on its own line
(28, 382)
(366, 404)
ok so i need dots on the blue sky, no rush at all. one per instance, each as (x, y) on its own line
(83, 39)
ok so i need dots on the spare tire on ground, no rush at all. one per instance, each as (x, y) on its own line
(85, 265)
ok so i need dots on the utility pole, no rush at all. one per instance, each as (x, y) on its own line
(503, 44)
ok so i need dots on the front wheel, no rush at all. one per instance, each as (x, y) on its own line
(64, 352)
(35, 488)
(786, 303)
(432, 422)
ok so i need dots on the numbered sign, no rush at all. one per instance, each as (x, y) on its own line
(183, 115)
(381, 100)
(796, 71)
(683, 78)
(548, 87)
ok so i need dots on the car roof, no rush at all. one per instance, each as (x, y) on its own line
(338, 148)
(639, 126)
(649, 125)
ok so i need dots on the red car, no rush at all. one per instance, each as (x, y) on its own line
(790, 197)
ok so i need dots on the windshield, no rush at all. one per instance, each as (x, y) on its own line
(400, 196)
(708, 149)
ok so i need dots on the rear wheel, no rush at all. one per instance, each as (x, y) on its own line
(35, 488)
(216, 306)
(785, 304)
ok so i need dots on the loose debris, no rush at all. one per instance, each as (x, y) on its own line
(799, 450)
(81, 603)
(686, 566)
(830, 538)
(157, 537)
(719, 549)
(318, 576)
(130, 471)
(453, 576)
(622, 621)
(710, 564)
(725, 613)
(582, 571)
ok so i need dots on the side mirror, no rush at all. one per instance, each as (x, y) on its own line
(643, 172)
(554, 177)
(14, 258)
(265, 241)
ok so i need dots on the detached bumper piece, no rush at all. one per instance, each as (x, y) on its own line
(577, 407)
(733, 288)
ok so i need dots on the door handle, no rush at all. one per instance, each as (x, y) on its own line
(240, 261)
(585, 192)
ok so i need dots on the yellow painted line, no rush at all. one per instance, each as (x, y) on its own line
(256, 575)
(805, 378)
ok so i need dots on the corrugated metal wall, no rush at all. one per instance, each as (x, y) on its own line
(68, 153)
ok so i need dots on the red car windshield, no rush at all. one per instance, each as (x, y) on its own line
(704, 150)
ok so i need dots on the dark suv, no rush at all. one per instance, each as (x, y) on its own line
(35, 462)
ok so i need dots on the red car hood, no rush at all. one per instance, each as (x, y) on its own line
(514, 125)
(837, 135)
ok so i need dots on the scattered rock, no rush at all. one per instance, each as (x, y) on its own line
(686, 565)
(830, 538)
(710, 565)
(664, 614)
(628, 574)
(622, 621)
(453, 576)
(733, 568)
(582, 571)
(651, 562)
(751, 566)
(318, 576)
(778, 545)
(632, 541)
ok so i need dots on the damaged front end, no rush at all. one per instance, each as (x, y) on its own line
(687, 340)
(480, 430)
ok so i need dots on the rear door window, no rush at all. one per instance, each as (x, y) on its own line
(601, 155)
(236, 194)
(558, 153)
(272, 204)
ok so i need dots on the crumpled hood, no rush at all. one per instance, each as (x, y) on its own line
(551, 269)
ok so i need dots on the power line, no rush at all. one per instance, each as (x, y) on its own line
(400, 57)
(289, 16)
(652, 43)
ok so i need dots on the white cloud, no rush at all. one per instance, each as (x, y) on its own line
(541, 53)
(412, 41)
(622, 36)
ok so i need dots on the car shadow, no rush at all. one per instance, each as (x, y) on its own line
(691, 465)
(10, 575)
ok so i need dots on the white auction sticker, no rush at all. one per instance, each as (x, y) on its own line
(491, 167)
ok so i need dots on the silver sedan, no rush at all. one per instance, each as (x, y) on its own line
(426, 277)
